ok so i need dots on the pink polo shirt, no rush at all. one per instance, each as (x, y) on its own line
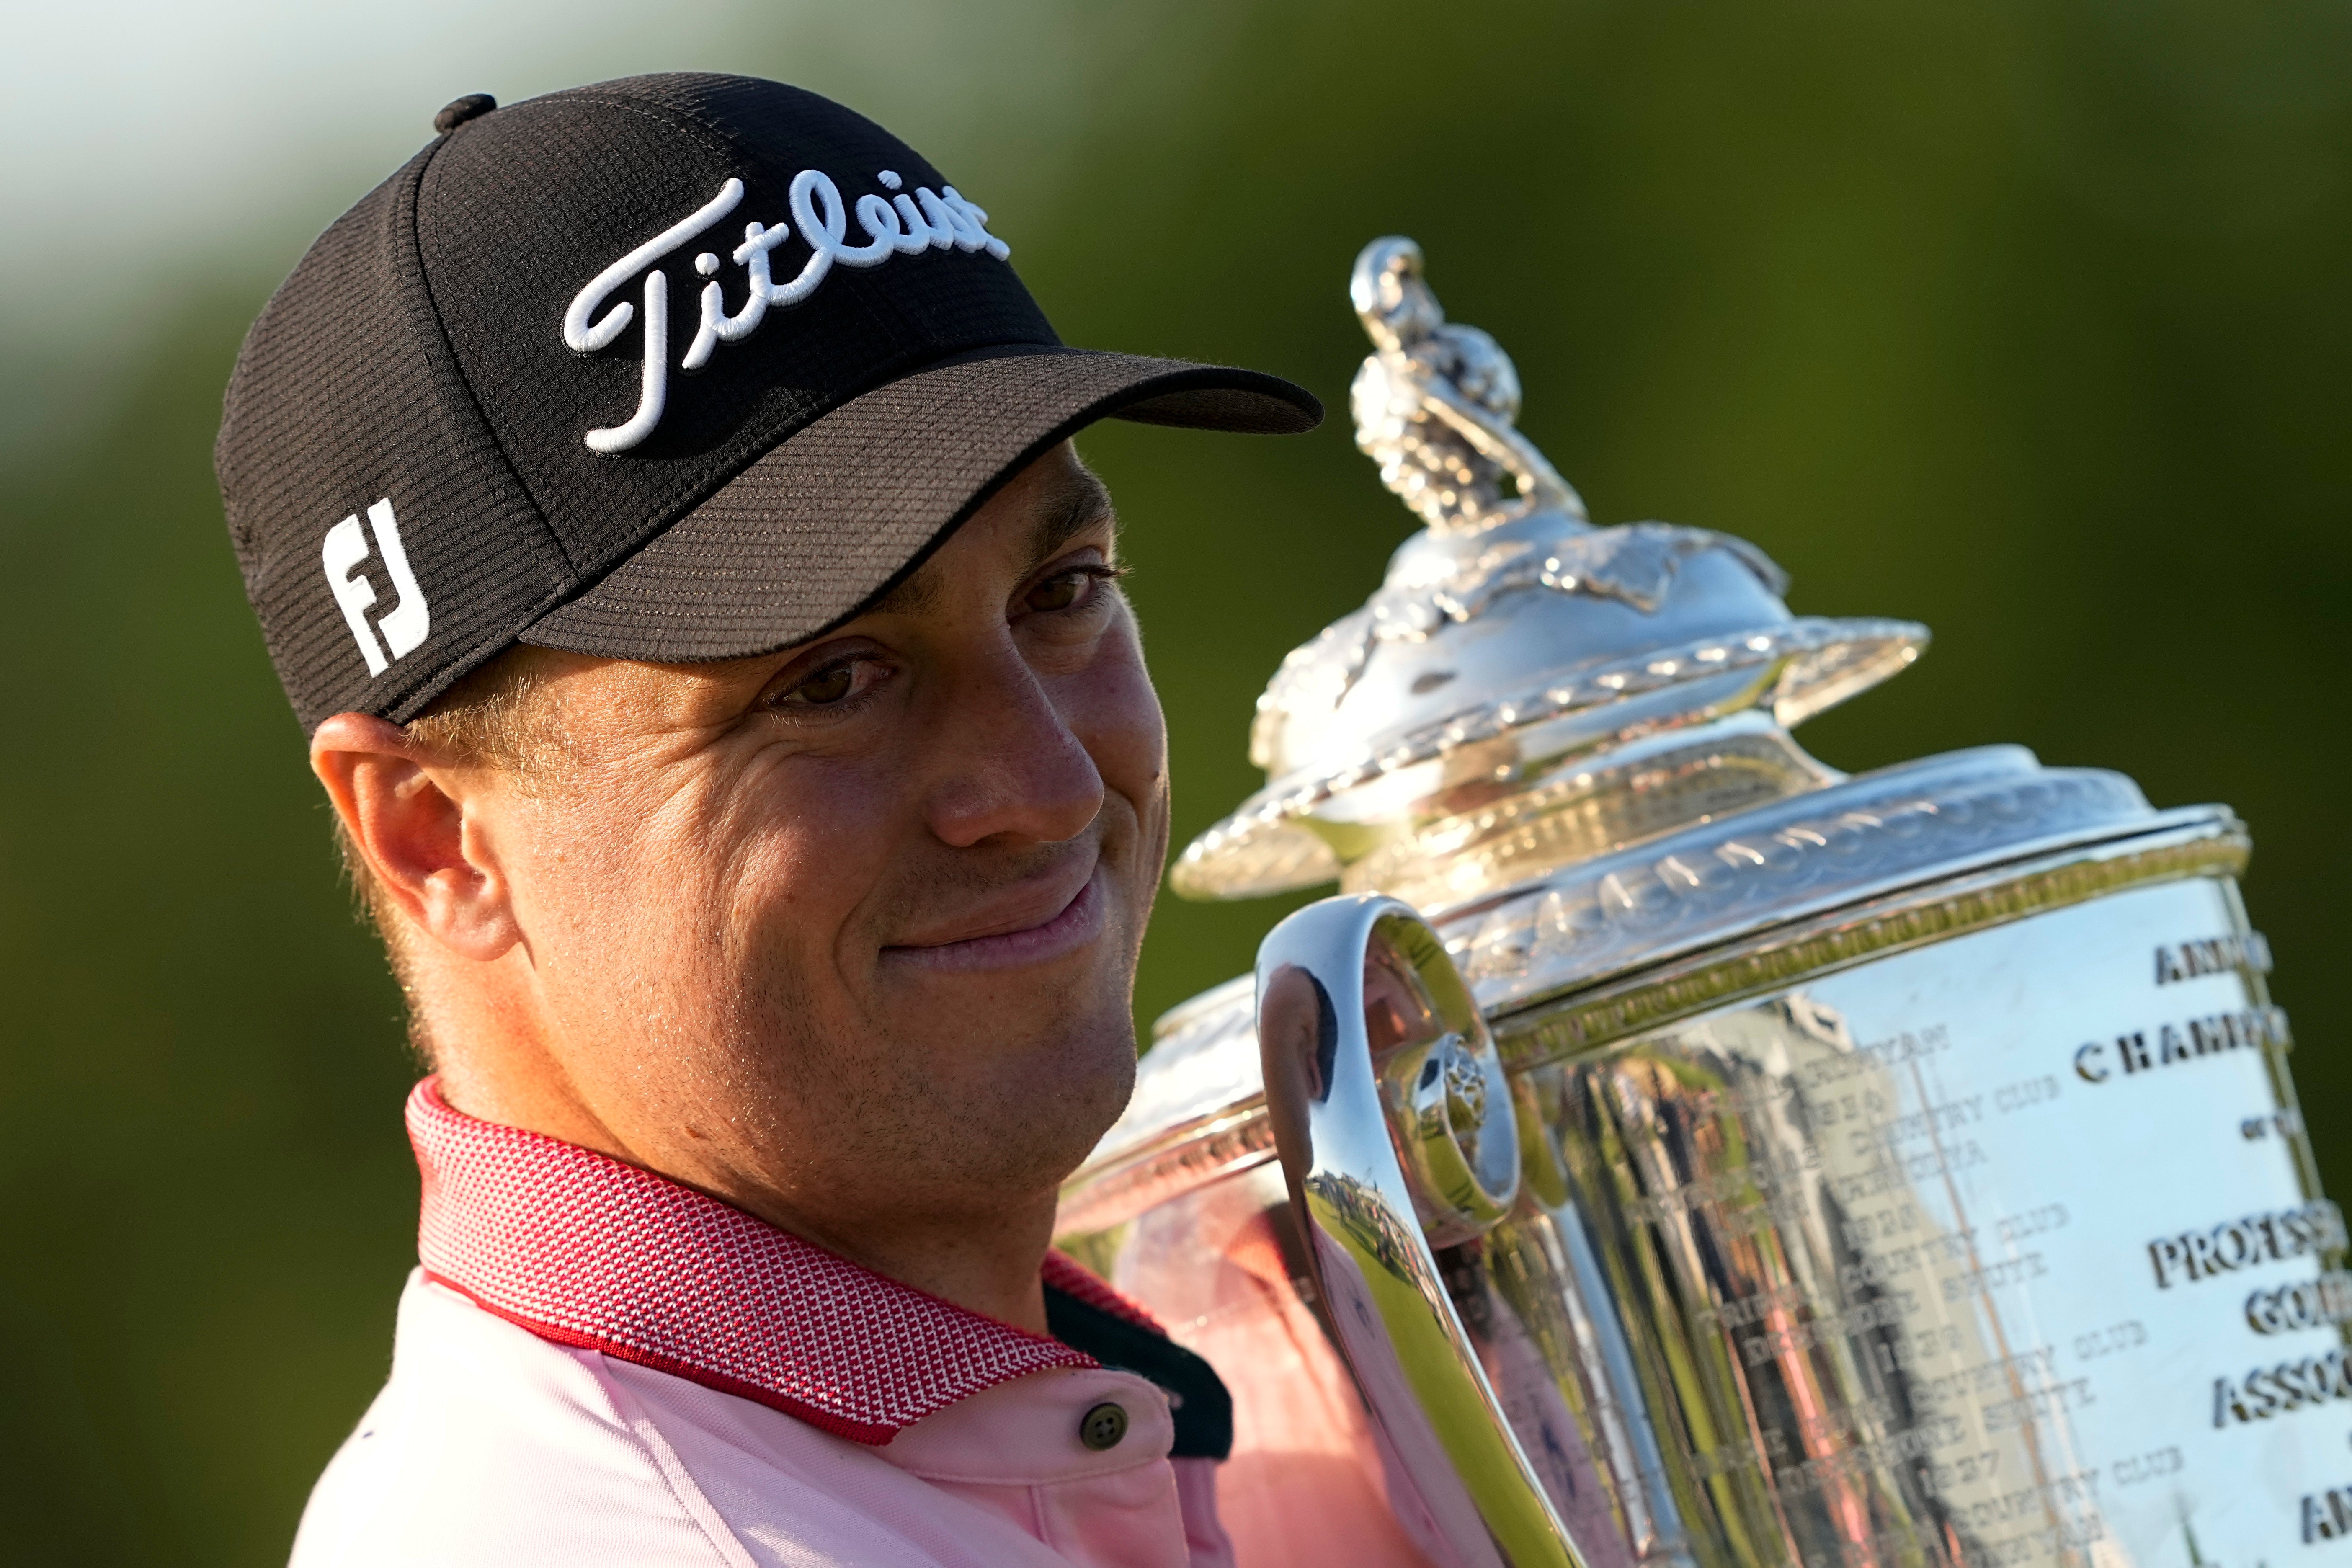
(595, 1366)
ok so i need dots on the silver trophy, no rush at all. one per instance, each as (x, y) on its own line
(1668, 1149)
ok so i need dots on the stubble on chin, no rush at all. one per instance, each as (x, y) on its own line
(862, 1119)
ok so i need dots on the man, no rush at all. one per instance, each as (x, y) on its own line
(659, 502)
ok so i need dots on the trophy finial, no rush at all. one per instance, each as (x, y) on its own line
(1434, 406)
(1524, 688)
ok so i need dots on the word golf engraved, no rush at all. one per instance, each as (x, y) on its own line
(903, 224)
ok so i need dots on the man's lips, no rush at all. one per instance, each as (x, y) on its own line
(1029, 926)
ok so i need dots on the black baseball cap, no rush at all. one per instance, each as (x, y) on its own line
(677, 367)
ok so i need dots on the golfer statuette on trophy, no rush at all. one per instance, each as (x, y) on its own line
(1670, 1150)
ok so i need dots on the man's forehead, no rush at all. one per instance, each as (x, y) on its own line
(1060, 498)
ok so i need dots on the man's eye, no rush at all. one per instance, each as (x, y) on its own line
(827, 687)
(1066, 589)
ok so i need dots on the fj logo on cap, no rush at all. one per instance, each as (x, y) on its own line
(901, 224)
(404, 625)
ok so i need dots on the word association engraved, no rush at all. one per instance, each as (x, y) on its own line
(2194, 1039)
(2176, 962)
(2274, 1237)
(2291, 1386)
(404, 625)
(902, 224)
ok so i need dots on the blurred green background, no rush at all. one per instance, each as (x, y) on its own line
(2025, 320)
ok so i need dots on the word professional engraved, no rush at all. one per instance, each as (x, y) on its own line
(2258, 1238)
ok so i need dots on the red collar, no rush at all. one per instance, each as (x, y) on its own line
(584, 1250)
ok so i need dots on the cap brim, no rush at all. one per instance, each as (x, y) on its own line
(838, 512)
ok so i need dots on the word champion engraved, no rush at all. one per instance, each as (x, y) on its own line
(898, 225)
(2274, 1237)
(2194, 1039)
(2179, 961)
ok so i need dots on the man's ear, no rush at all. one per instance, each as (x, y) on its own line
(417, 824)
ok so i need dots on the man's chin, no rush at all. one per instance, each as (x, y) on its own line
(1054, 1101)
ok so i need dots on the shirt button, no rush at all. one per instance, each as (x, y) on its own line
(1103, 1427)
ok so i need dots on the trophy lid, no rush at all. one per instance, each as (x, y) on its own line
(1524, 689)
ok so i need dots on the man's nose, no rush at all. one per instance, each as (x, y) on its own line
(1013, 769)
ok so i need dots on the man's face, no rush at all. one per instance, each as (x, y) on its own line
(854, 927)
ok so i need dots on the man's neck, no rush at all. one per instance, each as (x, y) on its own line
(986, 1264)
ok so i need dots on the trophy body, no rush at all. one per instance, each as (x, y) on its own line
(1747, 1164)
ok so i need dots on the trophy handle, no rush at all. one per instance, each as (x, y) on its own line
(1396, 1131)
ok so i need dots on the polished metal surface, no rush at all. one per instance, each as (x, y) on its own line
(1362, 1020)
(1516, 652)
(1879, 1262)
(1905, 1168)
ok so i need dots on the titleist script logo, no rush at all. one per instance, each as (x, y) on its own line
(404, 625)
(902, 224)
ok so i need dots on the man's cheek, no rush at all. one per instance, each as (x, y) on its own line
(1114, 711)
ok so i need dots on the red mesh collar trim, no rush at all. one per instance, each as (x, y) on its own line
(587, 1251)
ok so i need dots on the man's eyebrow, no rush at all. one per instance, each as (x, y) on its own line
(1079, 501)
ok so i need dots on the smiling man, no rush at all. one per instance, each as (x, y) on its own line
(659, 502)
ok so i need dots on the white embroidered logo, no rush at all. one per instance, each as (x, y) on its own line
(899, 225)
(404, 625)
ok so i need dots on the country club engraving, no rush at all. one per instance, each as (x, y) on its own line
(906, 224)
(2259, 1238)
(2156, 1465)
(2112, 1340)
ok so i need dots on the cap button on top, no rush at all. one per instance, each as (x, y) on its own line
(1103, 1427)
(473, 106)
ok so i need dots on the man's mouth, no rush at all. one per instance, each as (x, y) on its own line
(1030, 925)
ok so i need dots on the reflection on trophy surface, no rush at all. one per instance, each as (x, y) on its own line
(1672, 1150)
